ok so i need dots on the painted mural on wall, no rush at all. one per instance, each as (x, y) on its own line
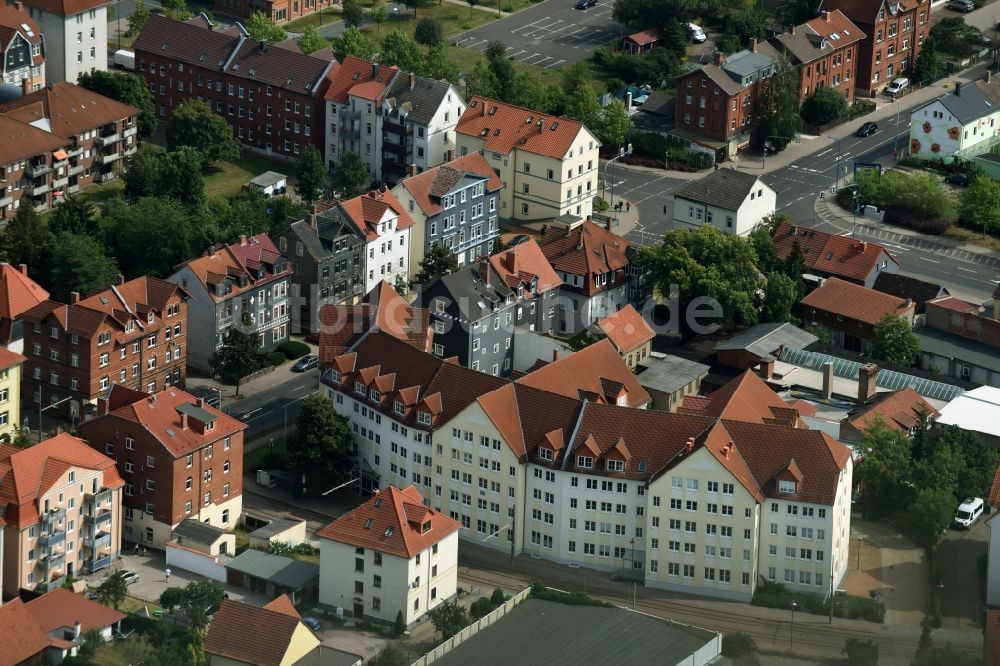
(936, 134)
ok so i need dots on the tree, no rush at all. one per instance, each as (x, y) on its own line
(351, 177)
(379, 14)
(580, 103)
(497, 597)
(400, 50)
(127, 88)
(399, 626)
(741, 648)
(439, 260)
(172, 174)
(201, 598)
(778, 119)
(27, 240)
(529, 91)
(931, 513)
(501, 68)
(894, 341)
(353, 14)
(79, 264)
(613, 124)
(177, 9)
(481, 607)
(194, 124)
(438, 66)
(240, 354)
(321, 448)
(138, 19)
(92, 639)
(172, 597)
(352, 42)
(824, 106)
(429, 32)
(311, 41)
(113, 590)
(780, 295)
(75, 215)
(263, 29)
(860, 653)
(953, 35)
(449, 618)
(472, 6)
(925, 69)
(979, 205)
(311, 173)
(390, 655)
(742, 26)
(129, 232)
(415, 5)
(940, 468)
(884, 468)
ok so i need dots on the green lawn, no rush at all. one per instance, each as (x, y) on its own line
(328, 15)
(226, 179)
(467, 59)
(134, 605)
(454, 19)
(508, 5)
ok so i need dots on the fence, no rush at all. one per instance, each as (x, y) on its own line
(471, 630)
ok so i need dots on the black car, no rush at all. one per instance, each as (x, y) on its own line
(520, 238)
(960, 179)
(584, 4)
(305, 363)
(867, 129)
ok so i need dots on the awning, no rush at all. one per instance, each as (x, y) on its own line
(60, 154)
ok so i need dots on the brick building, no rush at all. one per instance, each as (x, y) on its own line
(271, 96)
(825, 51)
(133, 334)
(849, 312)
(894, 33)
(279, 11)
(180, 458)
(55, 149)
(23, 61)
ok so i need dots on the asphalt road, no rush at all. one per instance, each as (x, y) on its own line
(264, 412)
(962, 595)
(551, 34)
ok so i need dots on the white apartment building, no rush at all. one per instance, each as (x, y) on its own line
(76, 36)
(393, 553)
(548, 165)
(382, 222)
(23, 48)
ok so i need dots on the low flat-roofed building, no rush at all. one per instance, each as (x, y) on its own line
(669, 378)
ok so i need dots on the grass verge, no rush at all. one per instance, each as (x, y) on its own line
(973, 237)
(226, 179)
(453, 18)
(317, 20)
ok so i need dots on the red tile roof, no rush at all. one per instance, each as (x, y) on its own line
(65, 7)
(853, 301)
(139, 296)
(27, 474)
(250, 634)
(830, 253)
(627, 329)
(522, 264)
(9, 359)
(991, 648)
(360, 78)
(60, 608)
(994, 499)
(21, 638)
(900, 410)
(650, 36)
(504, 127)
(222, 262)
(865, 11)
(954, 304)
(13, 21)
(367, 210)
(393, 521)
(20, 141)
(70, 109)
(284, 605)
(589, 249)
(596, 371)
(18, 292)
(158, 414)
(745, 398)
(427, 187)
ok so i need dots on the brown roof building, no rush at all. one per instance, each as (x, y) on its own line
(526, 272)
(899, 410)
(279, 11)
(59, 139)
(629, 332)
(825, 51)
(18, 294)
(133, 334)
(22, 640)
(65, 614)
(180, 457)
(832, 255)
(23, 64)
(850, 312)
(267, 636)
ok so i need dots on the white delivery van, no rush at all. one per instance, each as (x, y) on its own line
(697, 34)
(124, 60)
(897, 86)
(969, 512)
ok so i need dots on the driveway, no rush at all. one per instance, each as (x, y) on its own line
(551, 34)
(962, 597)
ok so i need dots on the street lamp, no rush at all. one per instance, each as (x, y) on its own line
(861, 540)
(895, 133)
(42, 409)
(791, 633)
(118, 18)
(622, 152)
(219, 392)
(766, 141)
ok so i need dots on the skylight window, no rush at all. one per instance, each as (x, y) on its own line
(27, 29)
(368, 523)
(388, 531)
(378, 502)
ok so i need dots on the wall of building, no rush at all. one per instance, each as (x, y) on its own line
(993, 563)
(202, 564)
(10, 401)
(67, 56)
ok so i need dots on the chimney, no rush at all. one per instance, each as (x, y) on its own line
(541, 125)
(866, 382)
(510, 261)
(483, 106)
(102, 406)
(555, 355)
(826, 16)
(607, 224)
(74, 297)
(200, 402)
(243, 240)
(484, 270)
(19, 6)
(23, 268)
(792, 30)
(25, 86)
(412, 169)
(753, 44)
(989, 75)
(765, 368)
(76, 630)
(718, 58)
(909, 303)
(958, 89)
(828, 380)
(374, 69)
(120, 279)
(184, 421)
(690, 445)
(413, 80)
(263, 46)
(727, 449)
(58, 430)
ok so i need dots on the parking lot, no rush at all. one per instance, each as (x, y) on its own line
(551, 34)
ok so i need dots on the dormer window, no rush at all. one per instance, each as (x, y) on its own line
(584, 462)
(375, 395)
(616, 465)
(360, 389)
(545, 454)
(335, 376)
(399, 407)
(424, 418)
(426, 527)
(150, 317)
(787, 487)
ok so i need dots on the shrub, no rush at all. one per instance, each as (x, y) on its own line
(774, 595)
(824, 106)
(480, 608)
(738, 645)
(539, 591)
(293, 349)
(276, 358)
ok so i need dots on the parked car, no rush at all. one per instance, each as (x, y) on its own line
(129, 576)
(305, 363)
(960, 179)
(312, 623)
(867, 129)
(697, 34)
(520, 238)
(986, 41)
(969, 512)
(964, 6)
(897, 86)
(584, 4)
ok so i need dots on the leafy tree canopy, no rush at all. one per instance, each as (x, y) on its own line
(311, 173)
(127, 88)
(884, 467)
(779, 121)
(172, 174)
(194, 124)
(390, 655)
(894, 341)
(979, 206)
(321, 448)
(824, 106)
(75, 215)
(351, 177)
(401, 50)
(429, 32)
(439, 260)
(352, 42)
(113, 590)
(263, 29)
(353, 14)
(240, 354)
(27, 240)
(449, 618)
(79, 264)
(311, 41)
(138, 19)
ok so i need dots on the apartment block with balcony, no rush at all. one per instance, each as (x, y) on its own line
(825, 51)
(548, 166)
(180, 459)
(62, 503)
(133, 334)
(68, 150)
(894, 34)
(249, 276)
(21, 42)
(454, 204)
(354, 122)
(76, 36)
(272, 97)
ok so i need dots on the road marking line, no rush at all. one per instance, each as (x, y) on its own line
(930, 260)
(253, 411)
(556, 64)
(301, 388)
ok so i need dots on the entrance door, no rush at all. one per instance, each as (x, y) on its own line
(359, 610)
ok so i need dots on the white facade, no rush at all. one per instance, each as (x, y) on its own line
(381, 584)
(73, 44)
(354, 127)
(389, 254)
(757, 205)
(935, 133)
(142, 527)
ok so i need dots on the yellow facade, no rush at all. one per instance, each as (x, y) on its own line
(10, 401)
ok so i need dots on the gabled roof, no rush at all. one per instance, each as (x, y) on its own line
(75, 319)
(27, 474)
(899, 410)
(627, 329)
(250, 634)
(472, 296)
(724, 188)
(429, 186)
(360, 78)
(15, 21)
(829, 253)
(588, 371)
(504, 127)
(21, 638)
(367, 210)
(20, 141)
(420, 96)
(393, 521)
(278, 569)
(644, 37)
(65, 7)
(853, 301)
(766, 339)
(820, 37)
(969, 101)
(9, 359)
(994, 498)
(18, 292)
(138, 296)
(866, 11)
(70, 109)
(523, 263)
(284, 605)
(62, 609)
(222, 263)
(746, 398)
(588, 249)
(904, 286)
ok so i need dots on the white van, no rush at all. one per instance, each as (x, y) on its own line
(897, 86)
(697, 34)
(123, 59)
(969, 512)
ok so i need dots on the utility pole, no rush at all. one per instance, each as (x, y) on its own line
(831, 599)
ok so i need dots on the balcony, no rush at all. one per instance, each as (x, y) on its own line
(60, 183)
(108, 159)
(101, 497)
(96, 564)
(108, 139)
(49, 539)
(131, 150)
(75, 170)
(39, 190)
(129, 131)
(54, 562)
(103, 518)
(52, 521)
(72, 189)
(60, 164)
(101, 540)
(106, 177)
(74, 152)
(38, 169)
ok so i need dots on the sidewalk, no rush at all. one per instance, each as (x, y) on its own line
(253, 387)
